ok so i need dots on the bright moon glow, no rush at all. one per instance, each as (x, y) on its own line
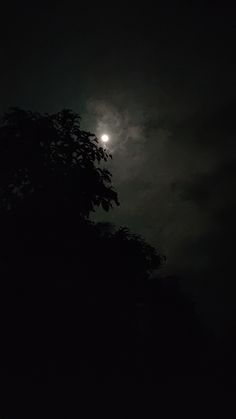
(105, 138)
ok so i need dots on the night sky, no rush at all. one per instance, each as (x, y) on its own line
(161, 83)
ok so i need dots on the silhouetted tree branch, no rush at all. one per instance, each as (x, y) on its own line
(48, 164)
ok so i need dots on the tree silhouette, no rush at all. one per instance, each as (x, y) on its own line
(49, 164)
(52, 176)
(81, 304)
(126, 249)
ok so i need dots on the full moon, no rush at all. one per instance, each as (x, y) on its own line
(105, 138)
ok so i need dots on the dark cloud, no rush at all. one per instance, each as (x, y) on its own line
(176, 183)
